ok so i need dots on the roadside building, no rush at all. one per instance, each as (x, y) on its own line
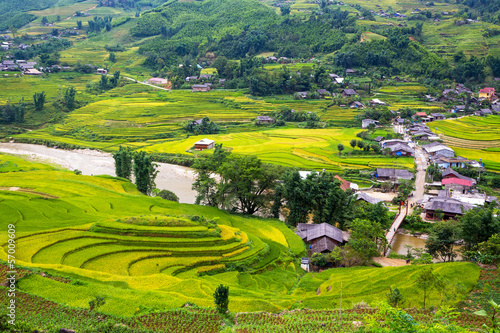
(448, 207)
(102, 71)
(389, 174)
(367, 122)
(158, 81)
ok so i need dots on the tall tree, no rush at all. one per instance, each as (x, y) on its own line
(39, 100)
(248, 182)
(123, 162)
(145, 172)
(297, 198)
(367, 238)
(441, 240)
(478, 225)
(69, 98)
(427, 281)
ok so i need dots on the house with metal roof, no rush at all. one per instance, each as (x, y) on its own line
(393, 174)
(322, 238)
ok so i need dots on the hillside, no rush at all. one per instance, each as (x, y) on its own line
(127, 247)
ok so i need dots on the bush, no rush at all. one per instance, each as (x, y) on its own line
(221, 298)
(168, 195)
(318, 259)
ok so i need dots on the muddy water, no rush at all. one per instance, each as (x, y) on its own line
(175, 178)
(400, 240)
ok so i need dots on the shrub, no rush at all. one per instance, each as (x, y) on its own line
(168, 195)
(318, 259)
(221, 298)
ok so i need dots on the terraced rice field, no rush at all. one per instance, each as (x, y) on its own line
(304, 148)
(473, 137)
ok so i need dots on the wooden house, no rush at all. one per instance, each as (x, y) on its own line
(321, 238)
(265, 120)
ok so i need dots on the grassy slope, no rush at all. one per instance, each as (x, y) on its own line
(70, 203)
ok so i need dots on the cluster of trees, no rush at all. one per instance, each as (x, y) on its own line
(99, 23)
(49, 47)
(287, 114)
(12, 113)
(244, 183)
(479, 229)
(107, 83)
(141, 164)
(39, 100)
(206, 127)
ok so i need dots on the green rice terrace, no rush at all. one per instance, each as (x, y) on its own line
(96, 235)
(472, 137)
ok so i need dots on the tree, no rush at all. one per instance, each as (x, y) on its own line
(428, 281)
(39, 100)
(441, 240)
(360, 144)
(97, 302)
(478, 225)
(45, 20)
(55, 32)
(297, 198)
(79, 25)
(168, 195)
(145, 172)
(123, 162)
(277, 201)
(221, 299)
(69, 98)
(103, 84)
(353, 143)
(367, 238)
(247, 184)
(318, 259)
(340, 147)
(112, 57)
(394, 297)
(376, 148)
(371, 127)
(285, 9)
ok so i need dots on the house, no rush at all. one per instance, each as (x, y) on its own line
(365, 197)
(191, 78)
(377, 101)
(323, 92)
(438, 116)
(421, 114)
(204, 144)
(393, 174)
(201, 87)
(356, 105)
(302, 94)
(350, 71)
(349, 93)
(322, 238)
(392, 142)
(483, 112)
(378, 139)
(450, 208)
(32, 71)
(333, 76)
(367, 122)
(487, 93)
(457, 184)
(425, 136)
(339, 80)
(206, 76)
(452, 174)
(264, 120)
(102, 71)
(345, 185)
(438, 149)
(401, 150)
(447, 162)
(158, 81)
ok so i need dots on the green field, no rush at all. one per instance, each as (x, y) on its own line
(472, 137)
(304, 148)
(148, 253)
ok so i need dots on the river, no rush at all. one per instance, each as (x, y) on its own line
(400, 240)
(175, 178)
